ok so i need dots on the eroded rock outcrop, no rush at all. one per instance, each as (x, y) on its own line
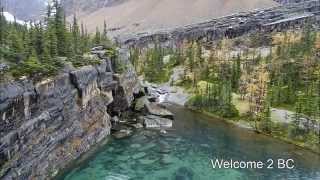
(129, 84)
(46, 125)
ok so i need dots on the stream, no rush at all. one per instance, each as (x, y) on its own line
(185, 153)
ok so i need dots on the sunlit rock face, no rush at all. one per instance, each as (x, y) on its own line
(46, 125)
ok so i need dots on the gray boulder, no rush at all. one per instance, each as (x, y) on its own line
(141, 103)
(3, 67)
(156, 110)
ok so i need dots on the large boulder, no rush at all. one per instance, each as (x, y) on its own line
(141, 103)
(154, 109)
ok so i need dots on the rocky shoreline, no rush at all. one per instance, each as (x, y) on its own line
(147, 112)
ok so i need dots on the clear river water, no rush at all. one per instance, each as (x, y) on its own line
(185, 153)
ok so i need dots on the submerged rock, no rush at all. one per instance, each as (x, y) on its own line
(149, 134)
(139, 155)
(123, 133)
(184, 173)
(164, 147)
(152, 121)
(147, 161)
(135, 146)
(168, 159)
(148, 146)
(123, 158)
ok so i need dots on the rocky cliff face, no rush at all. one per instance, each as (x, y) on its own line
(46, 125)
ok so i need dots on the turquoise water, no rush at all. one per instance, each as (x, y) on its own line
(185, 152)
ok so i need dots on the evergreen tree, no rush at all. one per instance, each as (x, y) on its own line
(97, 37)
(39, 40)
(76, 37)
(236, 73)
(265, 116)
(52, 41)
(105, 31)
(3, 27)
(60, 29)
(16, 44)
(32, 66)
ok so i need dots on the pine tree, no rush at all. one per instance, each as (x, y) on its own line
(85, 38)
(97, 37)
(26, 42)
(15, 43)
(60, 30)
(105, 31)
(32, 65)
(76, 37)
(190, 56)
(52, 41)
(39, 39)
(236, 73)
(266, 115)
(3, 27)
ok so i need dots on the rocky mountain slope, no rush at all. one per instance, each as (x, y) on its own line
(132, 16)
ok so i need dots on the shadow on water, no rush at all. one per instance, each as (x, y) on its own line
(184, 153)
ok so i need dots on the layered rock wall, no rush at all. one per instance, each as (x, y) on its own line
(289, 16)
(290, 1)
(46, 125)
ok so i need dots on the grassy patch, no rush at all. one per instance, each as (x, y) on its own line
(242, 106)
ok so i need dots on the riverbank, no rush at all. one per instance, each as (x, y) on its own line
(240, 123)
(281, 119)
